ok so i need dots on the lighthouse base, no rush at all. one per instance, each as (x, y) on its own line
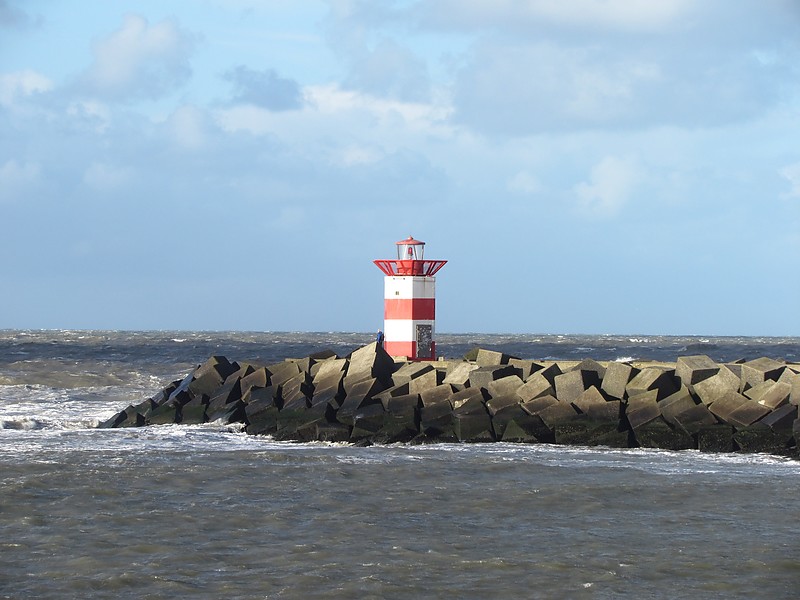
(411, 350)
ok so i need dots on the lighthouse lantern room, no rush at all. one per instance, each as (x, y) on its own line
(409, 311)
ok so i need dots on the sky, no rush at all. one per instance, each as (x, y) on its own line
(584, 166)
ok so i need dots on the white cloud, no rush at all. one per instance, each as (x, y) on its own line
(140, 60)
(609, 187)
(792, 174)
(22, 84)
(331, 110)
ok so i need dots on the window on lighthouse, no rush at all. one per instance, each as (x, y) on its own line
(410, 251)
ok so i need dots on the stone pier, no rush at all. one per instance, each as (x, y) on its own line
(369, 397)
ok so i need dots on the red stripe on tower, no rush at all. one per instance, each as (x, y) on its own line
(412, 308)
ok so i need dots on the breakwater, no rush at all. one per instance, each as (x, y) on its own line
(368, 397)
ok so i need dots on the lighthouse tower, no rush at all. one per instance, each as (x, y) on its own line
(409, 309)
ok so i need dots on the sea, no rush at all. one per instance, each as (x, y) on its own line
(207, 511)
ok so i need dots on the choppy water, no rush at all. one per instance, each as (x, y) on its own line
(209, 512)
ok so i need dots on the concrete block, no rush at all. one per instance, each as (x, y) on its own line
(352, 383)
(165, 414)
(328, 380)
(263, 394)
(574, 432)
(694, 369)
(649, 398)
(675, 404)
(483, 376)
(526, 368)
(458, 374)
(550, 372)
(616, 379)
(589, 397)
(658, 434)
(115, 420)
(725, 405)
(781, 418)
(715, 438)
(179, 390)
(469, 398)
(644, 414)
(261, 415)
(570, 385)
(194, 412)
(746, 414)
(529, 426)
(535, 386)
(794, 396)
(488, 358)
(283, 371)
(760, 438)
(258, 378)
(396, 390)
(331, 432)
(436, 421)
(692, 419)
(409, 371)
(402, 405)
(208, 383)
(582, 431)
(297, 389)
(327, 368)
(557, 413)
(759, 370)
(497, 403)
(233, 412)
(221, 365)
(514, 433)
(429, 379)
(653, 378)
(229, 392)
(771, 394)
(333, 396)
(293, 417)
(505, 386)
(397, 428)
(607, 412)
(242, 371)
(366, 422)
(128, 417)
(713, 388)
(533, 407)
(360, 395)
(441, 393)
(589, 364)
(473, 427)
(373, 361)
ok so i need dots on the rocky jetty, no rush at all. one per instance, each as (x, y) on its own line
(369, 397)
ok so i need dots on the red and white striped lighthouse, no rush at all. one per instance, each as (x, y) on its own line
(409, 309)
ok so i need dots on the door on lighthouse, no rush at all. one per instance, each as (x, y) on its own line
(424, 340)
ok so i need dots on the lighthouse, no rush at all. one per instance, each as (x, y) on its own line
(409, 305)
